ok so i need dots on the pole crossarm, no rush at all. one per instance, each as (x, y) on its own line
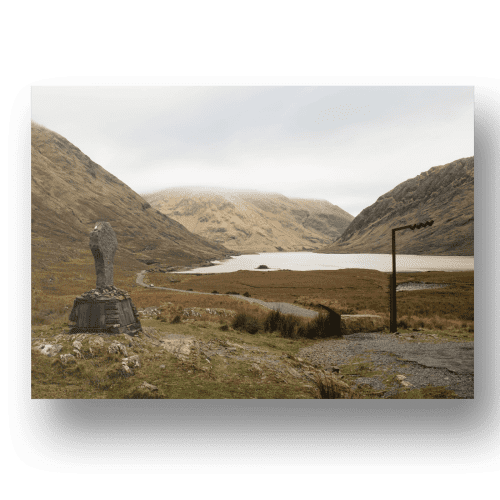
(415, 226)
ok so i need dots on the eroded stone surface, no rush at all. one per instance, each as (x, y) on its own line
(103, 244)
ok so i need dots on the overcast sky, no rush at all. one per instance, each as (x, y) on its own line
(347, 145)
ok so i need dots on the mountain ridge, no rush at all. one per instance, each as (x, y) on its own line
(444, 193)
(70, 192)
(252, 221)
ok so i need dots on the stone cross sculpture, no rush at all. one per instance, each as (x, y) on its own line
(106, 309)
(103, 245)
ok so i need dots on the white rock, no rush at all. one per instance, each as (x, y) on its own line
(400, 377)
(116, 347)
(78, 354)
(67, 359)
(151, 387)
(50, 349)
(132, 361)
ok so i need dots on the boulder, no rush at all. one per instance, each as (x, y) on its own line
(67, 359)
(49, 349)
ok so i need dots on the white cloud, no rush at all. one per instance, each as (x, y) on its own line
(345, 144)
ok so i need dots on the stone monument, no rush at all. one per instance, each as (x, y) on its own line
(105, 309)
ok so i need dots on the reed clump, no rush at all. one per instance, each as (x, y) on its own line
(287, 325)
(247, 323)
(290, 326)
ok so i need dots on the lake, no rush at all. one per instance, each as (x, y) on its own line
(308, 261)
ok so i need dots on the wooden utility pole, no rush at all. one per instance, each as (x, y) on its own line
(394, 316)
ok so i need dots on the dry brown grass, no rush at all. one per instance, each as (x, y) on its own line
(349, 291)
(447, 312)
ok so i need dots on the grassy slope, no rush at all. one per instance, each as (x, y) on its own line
(69, 193)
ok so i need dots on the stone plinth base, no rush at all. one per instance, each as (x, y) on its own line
(132, 330)
(107, 310)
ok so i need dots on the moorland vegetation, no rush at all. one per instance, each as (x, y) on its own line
(243, 333)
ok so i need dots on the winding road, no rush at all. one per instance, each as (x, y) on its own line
(285, 307)
(282, 307)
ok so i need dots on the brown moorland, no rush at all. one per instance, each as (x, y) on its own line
(63, 213)
(208, 320)
(348, 291)
(253, 221)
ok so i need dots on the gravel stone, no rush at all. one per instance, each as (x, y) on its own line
(387, 353)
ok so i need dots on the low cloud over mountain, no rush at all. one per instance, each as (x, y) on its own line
(252, 221)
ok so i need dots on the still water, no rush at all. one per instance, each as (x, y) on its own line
(308, 261)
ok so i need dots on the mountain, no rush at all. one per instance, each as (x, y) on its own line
(251, 221)
(69, 193)
(444, 194)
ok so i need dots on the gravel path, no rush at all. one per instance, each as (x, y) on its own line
(283, 307)
(448, 364)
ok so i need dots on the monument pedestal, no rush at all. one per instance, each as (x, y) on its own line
(108, 310)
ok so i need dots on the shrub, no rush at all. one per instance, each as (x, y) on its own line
(468, 313)
(247, 323)
(286, 324)
(404, 323)
(177, 319)
(290, 326)
(252, 326)
(271, 323)
(322, 326)
(224, 328)
(215, 291)
(246, 294)
(239, 321)
(301, 330)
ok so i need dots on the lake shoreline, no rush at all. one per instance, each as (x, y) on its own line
(310, 261)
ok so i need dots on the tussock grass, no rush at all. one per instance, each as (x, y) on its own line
(247, 323)
(445, 313)
(352, 291)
